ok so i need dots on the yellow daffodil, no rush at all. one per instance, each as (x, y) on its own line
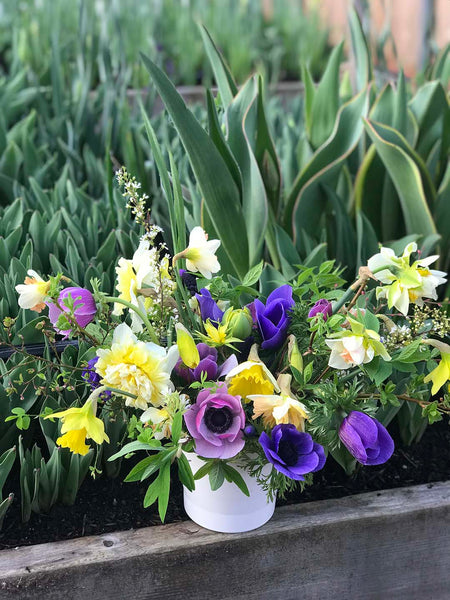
(187, 347)
(441, 374)
(276, 409)
(251, 377)
(79, 424)
(200, 253)
(405, 283)
(139, 368)
(33, 292)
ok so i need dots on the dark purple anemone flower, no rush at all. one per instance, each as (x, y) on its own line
(294, 453)
(273, 318)
(321, 306)
(366, 439)
(91, 376)
(208, 364)
(189, 281)
(208, 307)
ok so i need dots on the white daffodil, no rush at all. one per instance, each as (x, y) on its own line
(200, 253)
(145, 269)
(405, 283)
(33, 292)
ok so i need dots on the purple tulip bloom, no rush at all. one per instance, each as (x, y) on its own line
(366, 439)
(216, 422)
(294, 453)
(321, 306)
(84, 308)
(208, 307)
(273, 318)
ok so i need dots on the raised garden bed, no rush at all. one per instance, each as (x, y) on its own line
(390, 544)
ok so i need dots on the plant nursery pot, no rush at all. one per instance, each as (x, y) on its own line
(227, 510)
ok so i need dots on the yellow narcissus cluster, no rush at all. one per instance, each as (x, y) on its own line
(141, 369)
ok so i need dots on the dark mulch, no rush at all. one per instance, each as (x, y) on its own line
(108, 505)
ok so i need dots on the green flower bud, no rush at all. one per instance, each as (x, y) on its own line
(240, 322)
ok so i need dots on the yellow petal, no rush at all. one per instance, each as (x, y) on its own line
(75, 441)
(439, 376)
(187, 347)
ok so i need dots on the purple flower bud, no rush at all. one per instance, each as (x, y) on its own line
(294, 453)
(249, 430)
(208, 307)
(366, 439)
(84, 308)
(321, 306)
(273, 318)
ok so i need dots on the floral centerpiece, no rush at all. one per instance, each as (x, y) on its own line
(251, 383)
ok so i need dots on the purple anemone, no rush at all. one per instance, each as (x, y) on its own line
(216, 422)
(294, 453)
(366, 439)
(273, 318)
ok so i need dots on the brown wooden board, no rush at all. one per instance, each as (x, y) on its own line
(381, 545)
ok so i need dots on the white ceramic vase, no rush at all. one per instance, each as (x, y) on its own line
(227, 510)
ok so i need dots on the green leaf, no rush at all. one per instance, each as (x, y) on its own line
(407, 181)
(176, 427)
(164, 490)
(219, 191)
(136, 473)
(185, 473)
(325, 104)
(303, 211)
(134, 447)
(204, 470)
(224, 79)
(360, 51)
(216, 475)
(253, 275)
(234, 476)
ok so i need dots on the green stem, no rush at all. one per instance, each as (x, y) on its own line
(141, 314)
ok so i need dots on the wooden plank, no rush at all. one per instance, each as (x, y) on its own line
(390, 544)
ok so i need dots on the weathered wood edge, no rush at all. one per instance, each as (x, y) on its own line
(21, 563)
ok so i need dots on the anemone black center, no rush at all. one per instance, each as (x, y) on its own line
(288, 452)
(218, 420)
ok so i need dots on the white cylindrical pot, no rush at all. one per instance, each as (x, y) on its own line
(227, 510)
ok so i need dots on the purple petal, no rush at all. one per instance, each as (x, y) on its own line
(351, 440)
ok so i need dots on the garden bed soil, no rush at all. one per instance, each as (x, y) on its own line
(109, 505)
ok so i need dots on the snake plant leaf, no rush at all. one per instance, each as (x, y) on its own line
(242, 124)
(360, 51)
(325, 102)
(224, 79)
(367, 242)
(302, 211)
(219, 191)
(443, 217)
(441, 67)
(431, 108)
(406, 178)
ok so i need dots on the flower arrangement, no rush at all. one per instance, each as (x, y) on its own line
(248, 374)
